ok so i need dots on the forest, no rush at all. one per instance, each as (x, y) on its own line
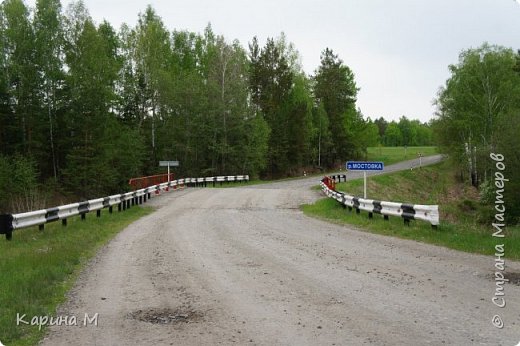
(478, 117)
(84, 107)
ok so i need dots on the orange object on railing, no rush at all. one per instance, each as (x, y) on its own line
(331, 183)
(143, 182)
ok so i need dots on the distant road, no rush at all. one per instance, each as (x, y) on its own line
(303, 183)
(244, 266)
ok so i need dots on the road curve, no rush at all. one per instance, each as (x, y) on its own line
(244, 266)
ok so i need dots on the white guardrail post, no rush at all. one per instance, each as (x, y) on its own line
(12, 222)
(428, 213)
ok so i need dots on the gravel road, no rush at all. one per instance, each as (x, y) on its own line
(244, 266)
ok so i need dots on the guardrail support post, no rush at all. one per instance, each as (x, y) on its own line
(119, 207)
(110, 209)
(407, 222)
(41, 227)
(6, 226)
(434, 227)
(386, 217)
(370, 215)
(64, 222)
(358, 211)
(349, 208)
(98, 213)
(83, 216)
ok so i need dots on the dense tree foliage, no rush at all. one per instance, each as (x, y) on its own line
(281, 94)
(336, 90)
(84, 107)
(479, 114)
(405, 132)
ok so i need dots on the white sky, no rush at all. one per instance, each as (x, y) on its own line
(399, 50)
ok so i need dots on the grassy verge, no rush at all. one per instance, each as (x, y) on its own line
(38, 268)
(391, 155)
(465, 223)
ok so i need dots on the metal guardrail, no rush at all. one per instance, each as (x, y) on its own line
(11, 222)
(429, 213)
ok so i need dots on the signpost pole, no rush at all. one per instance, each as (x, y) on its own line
(365, 189)
(169, 164)
(365, 166)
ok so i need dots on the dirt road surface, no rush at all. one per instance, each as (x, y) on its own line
(244, 266)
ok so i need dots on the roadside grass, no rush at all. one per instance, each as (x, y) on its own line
(465, 223)
(391, 155)
(39, 267)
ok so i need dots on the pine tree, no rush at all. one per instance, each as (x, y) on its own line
(336, 89)
(48, 51)
(22, 79)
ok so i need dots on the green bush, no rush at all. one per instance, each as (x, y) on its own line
(487, 192)
(19, 190)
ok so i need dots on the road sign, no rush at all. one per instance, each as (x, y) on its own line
(169, 163)
(365, 166)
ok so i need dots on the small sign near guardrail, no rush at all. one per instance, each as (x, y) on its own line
(365, 166)
(168, 163)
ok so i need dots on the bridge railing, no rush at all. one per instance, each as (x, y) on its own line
(12, 222)
(428, 213)
(142, 182)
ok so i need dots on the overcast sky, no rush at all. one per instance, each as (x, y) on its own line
(399, 50)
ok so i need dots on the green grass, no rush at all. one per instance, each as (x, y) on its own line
(427, 185)
(391, 155)
(39, 267)
(465, 222)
